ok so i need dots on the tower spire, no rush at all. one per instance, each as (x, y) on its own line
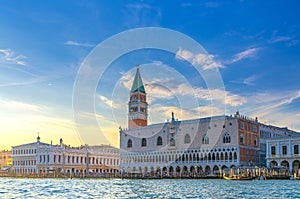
(138, 82)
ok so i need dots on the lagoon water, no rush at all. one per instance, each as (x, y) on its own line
(165, 188)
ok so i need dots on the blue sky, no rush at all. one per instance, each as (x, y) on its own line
(254, 45)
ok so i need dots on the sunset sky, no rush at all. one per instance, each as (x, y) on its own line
(253, 45)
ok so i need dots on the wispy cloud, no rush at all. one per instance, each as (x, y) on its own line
(172, 87)
(108, 102)
(212, 4)
(275, 109)
(8, 56)
(186, 5)
(137, 13)
(288, 40)
(249, 53)
(250, 80)
(75, 43)
(292, 43)
(206, 60)
(277, 39)
(267, 103)
(17, 105)
(139, 6)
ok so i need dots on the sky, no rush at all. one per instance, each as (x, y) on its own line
(252, 46)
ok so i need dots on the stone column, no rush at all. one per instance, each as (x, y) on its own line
(278, 150)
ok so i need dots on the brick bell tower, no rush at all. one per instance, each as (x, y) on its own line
(137, 106)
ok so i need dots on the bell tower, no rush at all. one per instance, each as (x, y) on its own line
(137, 106)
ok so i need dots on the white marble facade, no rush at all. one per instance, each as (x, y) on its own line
(284, 151)
(39, 157)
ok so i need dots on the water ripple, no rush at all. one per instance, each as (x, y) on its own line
(135, 189)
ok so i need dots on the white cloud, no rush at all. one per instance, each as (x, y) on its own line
(163, 112)
(247, 81)
(252, 52)
(211, 4)
(206, 60)
(292, 43)
(21, 106)
(7, 56)
(74, 43)
(206, 111)
(184, 54)
(139, 6)
(272, 107)
(108, 102)
(277, 39)
(183, 90)
(127, 80)
(250, 80)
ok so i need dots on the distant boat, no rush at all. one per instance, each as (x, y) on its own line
(238, 177)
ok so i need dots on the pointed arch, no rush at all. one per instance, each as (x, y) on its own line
(226, 138)
(144, 142)
(159, 141)
(172, 142)
(187, 139)
(205, 139)
(129, 143)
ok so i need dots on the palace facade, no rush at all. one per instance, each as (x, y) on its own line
(43, 158)
(197, 146)
(270, 131)
(284, 151)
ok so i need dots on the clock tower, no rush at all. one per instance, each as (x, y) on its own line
(137, 106)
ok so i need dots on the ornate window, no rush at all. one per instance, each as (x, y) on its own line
(296, 149)
(187, 139)
(284, 150)
(129, 143)
(159, 141)
(205, 139)
(226, 138)
(172, 142)
(273, 150)
(241, 138)
(144, 142)
(255, 141)
(242, 125)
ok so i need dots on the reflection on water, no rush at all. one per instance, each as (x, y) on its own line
(116, 188)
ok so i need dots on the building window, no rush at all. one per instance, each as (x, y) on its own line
(273, 150)
(284, 150)
(242, 125)
(296, 149)
(129, 143)
(241, 138)
(159, 141)
(255, 141)
(172, 142)
(226, 138)
(254, 128)
(144, 142)
(187, 139)
(205, 139)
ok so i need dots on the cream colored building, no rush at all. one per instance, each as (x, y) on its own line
(284, 151)
(44, 158)
(5, 158)
(270, 131)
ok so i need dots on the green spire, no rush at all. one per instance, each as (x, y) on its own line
(138, 82)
